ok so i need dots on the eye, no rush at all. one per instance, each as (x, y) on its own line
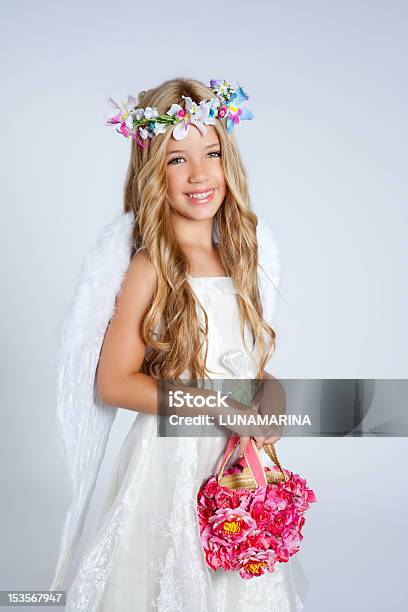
(174, 162)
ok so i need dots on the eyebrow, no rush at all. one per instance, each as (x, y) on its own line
(215, 144)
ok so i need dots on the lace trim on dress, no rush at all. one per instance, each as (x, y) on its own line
(90, 582)
(180, 569)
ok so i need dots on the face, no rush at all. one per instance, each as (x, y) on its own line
(196, 184)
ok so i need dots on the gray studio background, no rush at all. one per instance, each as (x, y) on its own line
(326, 157)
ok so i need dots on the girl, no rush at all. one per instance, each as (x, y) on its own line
(182, 268)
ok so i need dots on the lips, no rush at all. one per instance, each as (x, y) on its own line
(202, 196)
(200, 191)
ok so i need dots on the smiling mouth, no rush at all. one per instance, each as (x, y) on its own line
(201, 195)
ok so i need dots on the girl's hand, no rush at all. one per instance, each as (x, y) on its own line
(270, 399)
(244, 441)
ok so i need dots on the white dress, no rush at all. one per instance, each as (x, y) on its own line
(146, 552)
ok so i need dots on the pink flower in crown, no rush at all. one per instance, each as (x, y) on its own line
(124, 114)
(229, 526)
(222, 111)
(255, 562)
(234, 113)
(125, 118)
(193, 113)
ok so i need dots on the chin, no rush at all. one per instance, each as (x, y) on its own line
(199, 214)
(199, 211)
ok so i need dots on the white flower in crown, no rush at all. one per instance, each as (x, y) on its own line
(145, 133)
(159, 128)
(193, 113)
(150, 113)
(138, 113)
(144, 123)
(223, 88)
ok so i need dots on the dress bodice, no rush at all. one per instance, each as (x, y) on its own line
(227, 356)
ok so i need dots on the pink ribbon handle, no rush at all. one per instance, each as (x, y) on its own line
(251, 457)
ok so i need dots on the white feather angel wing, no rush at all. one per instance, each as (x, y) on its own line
(85, 422)
(269, 269)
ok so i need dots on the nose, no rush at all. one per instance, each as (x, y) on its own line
(198, 173)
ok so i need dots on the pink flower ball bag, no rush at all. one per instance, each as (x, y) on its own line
(250, 516)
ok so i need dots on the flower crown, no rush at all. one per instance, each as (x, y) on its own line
(144, 123)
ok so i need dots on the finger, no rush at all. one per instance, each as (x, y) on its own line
(272, 440)
(256, 402)
(259, 441)
(258, 397)
(243, 443)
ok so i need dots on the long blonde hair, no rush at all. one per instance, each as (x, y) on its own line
(175, 339)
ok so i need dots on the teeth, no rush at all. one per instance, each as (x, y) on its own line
(201, 196)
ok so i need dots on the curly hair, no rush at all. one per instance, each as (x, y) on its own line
(176, 341)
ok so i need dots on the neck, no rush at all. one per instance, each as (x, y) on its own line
(192, 232)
